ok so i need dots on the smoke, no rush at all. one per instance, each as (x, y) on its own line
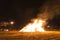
(50, 9)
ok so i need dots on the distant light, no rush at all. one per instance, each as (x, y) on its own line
(48, 26)
(6, 30)
(11, 22)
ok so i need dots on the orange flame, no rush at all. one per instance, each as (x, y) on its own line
(36, 26)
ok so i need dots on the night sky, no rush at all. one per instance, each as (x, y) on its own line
(22, 11)
(19, 10)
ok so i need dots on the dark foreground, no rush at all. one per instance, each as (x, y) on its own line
(14, 35)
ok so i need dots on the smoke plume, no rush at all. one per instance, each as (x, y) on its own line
(50, 9)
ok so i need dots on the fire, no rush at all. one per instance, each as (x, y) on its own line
(36, 26)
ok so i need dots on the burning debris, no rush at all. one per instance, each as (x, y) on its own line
(36, 26)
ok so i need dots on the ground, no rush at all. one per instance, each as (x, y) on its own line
(15, 35)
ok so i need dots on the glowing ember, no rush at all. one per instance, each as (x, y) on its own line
(36, 26)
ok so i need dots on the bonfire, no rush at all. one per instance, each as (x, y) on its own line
(35, 26)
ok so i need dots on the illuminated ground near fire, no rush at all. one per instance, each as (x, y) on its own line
(37, 33)
(15, 35)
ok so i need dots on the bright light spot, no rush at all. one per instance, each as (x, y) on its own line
(6, 30)
(48, 26)
(36, 26)
(11, 22)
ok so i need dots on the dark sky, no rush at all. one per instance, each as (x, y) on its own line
(19, 10)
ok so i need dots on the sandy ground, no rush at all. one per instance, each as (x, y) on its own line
(15, 35)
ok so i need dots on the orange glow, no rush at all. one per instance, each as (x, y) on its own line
(36, 26)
